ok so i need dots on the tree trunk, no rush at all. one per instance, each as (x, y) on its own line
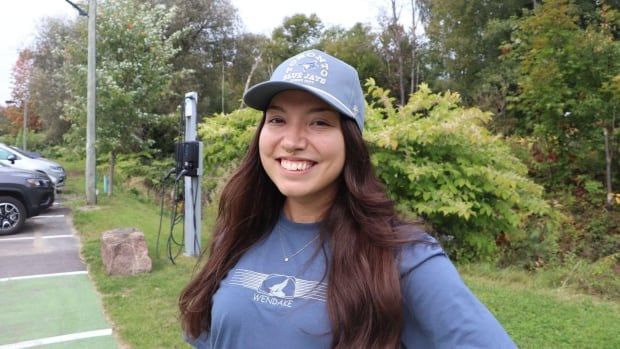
(399, 44)
(610, 193)
(257, 61)
(111, 174)
(414, 49)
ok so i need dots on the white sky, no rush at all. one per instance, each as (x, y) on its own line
(19, 20)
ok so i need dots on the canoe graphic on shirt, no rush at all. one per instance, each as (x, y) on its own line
(281, 286)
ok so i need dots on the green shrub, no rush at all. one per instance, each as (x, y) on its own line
(440, 162)
(142, 165)
(226, 138)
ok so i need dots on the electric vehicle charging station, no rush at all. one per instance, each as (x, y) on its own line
(189, 161)
(192, 155)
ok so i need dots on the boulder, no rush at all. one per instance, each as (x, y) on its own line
(124, 252)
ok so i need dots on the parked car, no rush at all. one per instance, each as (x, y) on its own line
(17, 159)
(23, 194)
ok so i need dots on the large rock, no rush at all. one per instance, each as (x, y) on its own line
(124, 252)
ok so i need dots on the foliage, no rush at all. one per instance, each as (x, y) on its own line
(297, 33)
(48, 86)
(226, 138)
(143, 168)
(133, 74)
(598, 229)
(438, 161)
(565, 66)
(358, 47)
(464, 44)
(208, 45)
(22, 76)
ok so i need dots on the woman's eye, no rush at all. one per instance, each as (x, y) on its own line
(320, 123)
(275, 120)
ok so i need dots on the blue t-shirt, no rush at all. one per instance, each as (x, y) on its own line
(266, 302)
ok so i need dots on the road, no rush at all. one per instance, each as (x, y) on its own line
(47, 299)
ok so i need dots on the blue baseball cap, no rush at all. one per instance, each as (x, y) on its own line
(328, 78)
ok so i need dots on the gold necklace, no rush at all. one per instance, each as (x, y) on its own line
(286, 258)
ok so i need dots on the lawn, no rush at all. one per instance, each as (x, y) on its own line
(143, 308)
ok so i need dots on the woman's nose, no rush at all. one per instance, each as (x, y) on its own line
(294, 139)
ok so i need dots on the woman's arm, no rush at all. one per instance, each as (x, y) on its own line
(441, 311)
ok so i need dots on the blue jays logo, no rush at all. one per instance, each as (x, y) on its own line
(310, 65)
(307, 68)
(280, 286)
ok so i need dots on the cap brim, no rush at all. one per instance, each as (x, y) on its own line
(259, 96)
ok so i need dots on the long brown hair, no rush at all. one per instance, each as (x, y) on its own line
(364, 296)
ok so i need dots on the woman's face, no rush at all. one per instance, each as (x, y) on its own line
(301, 147)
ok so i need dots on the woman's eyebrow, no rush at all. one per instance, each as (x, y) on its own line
(320, 110)
(310, 111)
(275, 107)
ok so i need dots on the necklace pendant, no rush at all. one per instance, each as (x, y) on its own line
(286, 259)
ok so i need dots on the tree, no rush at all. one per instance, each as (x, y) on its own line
(21, 75)
(394, 45)
(297, 33)
(134, 74)
(248, 65)
(356, 46)
(5, 125)
(48, 86)
(566, 69)
(207, 30)
(463, 51)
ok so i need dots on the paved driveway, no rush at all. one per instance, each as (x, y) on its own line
(46, 297)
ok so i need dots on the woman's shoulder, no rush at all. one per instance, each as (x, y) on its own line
(419, 247)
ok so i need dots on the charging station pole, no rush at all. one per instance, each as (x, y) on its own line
(193, 211)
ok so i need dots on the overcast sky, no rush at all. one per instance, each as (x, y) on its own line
(19, 20)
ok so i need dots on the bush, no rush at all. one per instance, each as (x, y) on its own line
(142, 165)
(440, 162)
(226, 138)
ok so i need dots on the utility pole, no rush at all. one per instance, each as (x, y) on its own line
(91, 196)
(91, 86)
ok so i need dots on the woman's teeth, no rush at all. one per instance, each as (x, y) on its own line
(295, 165)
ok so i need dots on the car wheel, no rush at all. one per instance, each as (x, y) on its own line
(12, 215)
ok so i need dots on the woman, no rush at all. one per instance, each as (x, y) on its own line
(308, 251)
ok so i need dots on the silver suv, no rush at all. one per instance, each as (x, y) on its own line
(17, 159)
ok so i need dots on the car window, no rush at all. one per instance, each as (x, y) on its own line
(17, 150)
(4, 154)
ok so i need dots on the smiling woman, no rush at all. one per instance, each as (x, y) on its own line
(308, 251)
(302, 150)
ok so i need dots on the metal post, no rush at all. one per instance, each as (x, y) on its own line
(193, 212)
(25, 130)
(91, 195)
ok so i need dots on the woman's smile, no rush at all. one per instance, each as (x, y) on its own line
(296, 165)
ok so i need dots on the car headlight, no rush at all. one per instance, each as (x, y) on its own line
(37, 182)
(57, 168)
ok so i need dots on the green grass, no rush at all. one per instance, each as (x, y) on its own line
(535, 313)
(549, 318)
